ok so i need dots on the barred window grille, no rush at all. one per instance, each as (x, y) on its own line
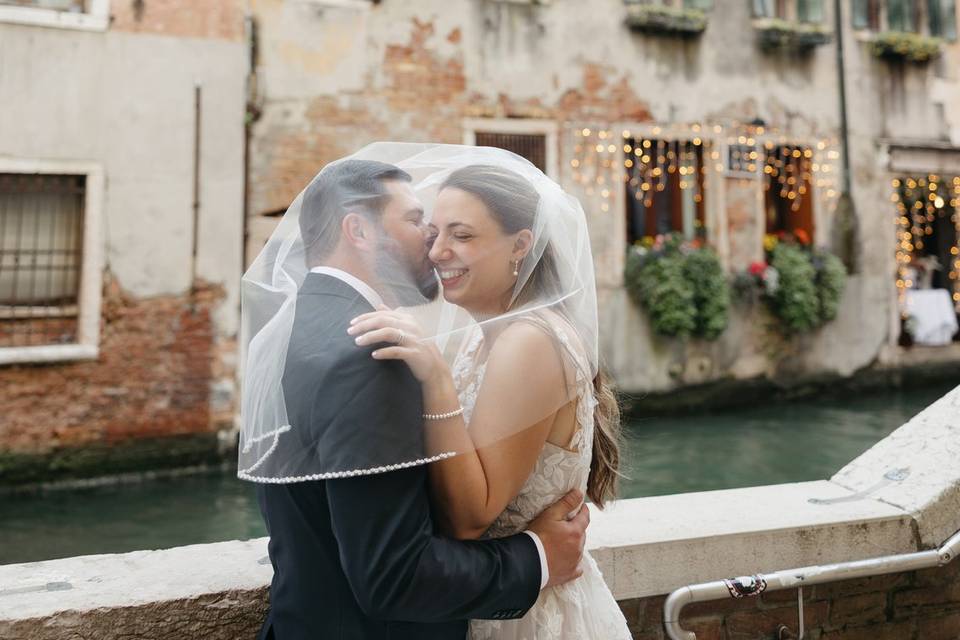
(41, 240)
(73, 6)
(532, 146)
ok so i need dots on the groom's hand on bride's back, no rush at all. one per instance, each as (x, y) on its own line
(563, 537)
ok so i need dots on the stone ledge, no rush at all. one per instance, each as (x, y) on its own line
(645, 546)
(651, 546)
(129, 580)
(927, 449)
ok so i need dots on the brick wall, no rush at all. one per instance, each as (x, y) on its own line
(414, 93)
(919, 605)
(217, 19)
(145, 402)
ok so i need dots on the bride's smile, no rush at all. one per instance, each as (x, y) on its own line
(451, 277)
(474, 256)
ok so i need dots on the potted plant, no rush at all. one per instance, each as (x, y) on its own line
(801, 286)
(680, 284)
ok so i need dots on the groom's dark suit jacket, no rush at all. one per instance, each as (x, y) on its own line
(359, 558)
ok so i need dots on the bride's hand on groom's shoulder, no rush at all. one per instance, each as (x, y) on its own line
(402, 339)
(563, 536)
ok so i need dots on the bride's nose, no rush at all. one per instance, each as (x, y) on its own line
(439, 251)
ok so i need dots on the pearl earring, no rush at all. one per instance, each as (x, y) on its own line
(516, 268)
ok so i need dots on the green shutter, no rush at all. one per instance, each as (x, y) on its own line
(900, 15)
(942, 17)
(810, 10)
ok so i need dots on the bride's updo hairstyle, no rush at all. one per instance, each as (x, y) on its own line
(513, 202)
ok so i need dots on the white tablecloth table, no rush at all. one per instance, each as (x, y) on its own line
(934, 316)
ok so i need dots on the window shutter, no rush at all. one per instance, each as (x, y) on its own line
(532, 146)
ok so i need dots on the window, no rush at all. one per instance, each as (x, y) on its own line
(800, 10)
(928, 255)
(665, 180)
(928, 231)
(931, 17)
(531, 146)
(346, 4)
(810, 10)
(76, 6)
(49, 264)
(535, 140)
(91, 15)
(866, 14)
(742, 158)
(902, 15)
(703, 5)
(788, 191)
(942, 18)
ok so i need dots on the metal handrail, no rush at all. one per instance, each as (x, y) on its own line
(755, 585)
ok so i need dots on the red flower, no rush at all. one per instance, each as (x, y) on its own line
(757, 268)
(802, 236)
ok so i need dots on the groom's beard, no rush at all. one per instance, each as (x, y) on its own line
(410, 284)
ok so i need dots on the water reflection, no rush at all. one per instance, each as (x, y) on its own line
(786, 442)
(150, 515)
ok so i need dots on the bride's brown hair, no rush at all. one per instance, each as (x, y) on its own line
(513, 203)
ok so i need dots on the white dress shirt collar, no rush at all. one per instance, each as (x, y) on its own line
(359, 285)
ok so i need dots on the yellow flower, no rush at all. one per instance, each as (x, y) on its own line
(770, 241)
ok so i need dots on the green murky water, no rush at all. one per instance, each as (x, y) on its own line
(786, 442)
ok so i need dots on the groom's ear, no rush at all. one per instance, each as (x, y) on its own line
(356, 230)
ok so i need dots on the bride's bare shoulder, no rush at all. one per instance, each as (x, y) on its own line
(527, 346)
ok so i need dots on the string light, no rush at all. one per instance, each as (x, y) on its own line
(661, 157)
(919, 201)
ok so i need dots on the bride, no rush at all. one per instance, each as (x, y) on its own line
(523, 404)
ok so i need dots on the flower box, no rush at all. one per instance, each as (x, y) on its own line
(784, 35)
(658, 19)
(911, 47)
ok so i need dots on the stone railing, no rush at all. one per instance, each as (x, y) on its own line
(900, 496)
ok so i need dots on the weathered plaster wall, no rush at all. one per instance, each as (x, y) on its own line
(124, 99)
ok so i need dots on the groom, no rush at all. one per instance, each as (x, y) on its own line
(358, 557)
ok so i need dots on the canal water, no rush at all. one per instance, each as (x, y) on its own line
(783, 442)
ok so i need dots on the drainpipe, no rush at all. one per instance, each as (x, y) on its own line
(197, 113)
(797, 578)
(845, 217)
(251, 114)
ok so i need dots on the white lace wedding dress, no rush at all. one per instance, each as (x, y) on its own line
(583, 609)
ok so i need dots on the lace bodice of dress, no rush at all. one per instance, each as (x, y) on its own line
(583, 608)
(558, 469)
